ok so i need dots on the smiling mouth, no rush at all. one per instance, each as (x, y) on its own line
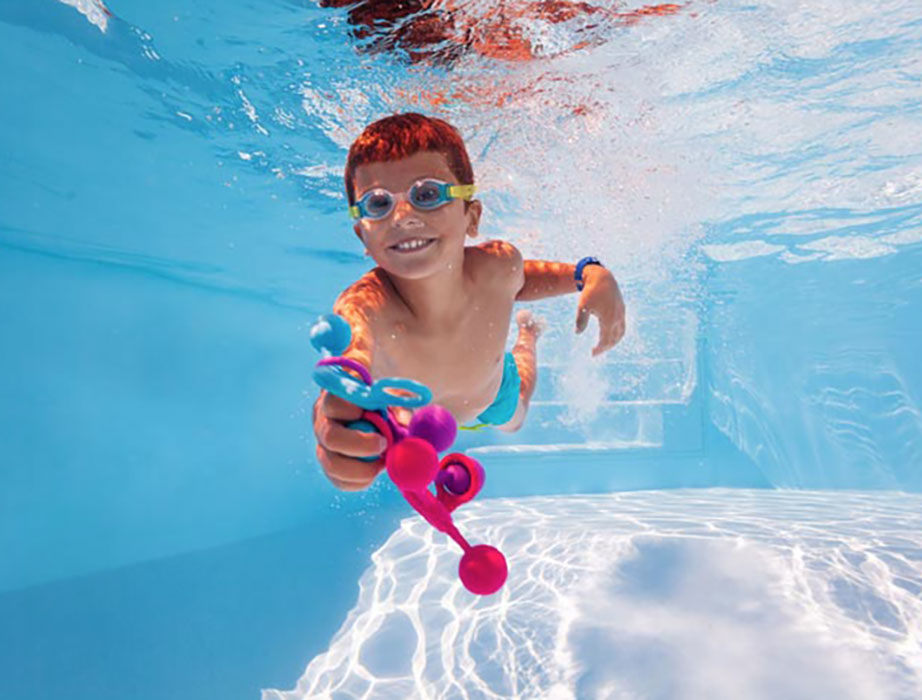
(413, 245)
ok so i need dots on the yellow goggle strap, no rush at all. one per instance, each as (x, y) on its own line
(462, 191)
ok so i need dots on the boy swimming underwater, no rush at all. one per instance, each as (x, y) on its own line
(434, 310)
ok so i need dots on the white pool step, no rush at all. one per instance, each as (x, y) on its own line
(615, 402)
(620, 407)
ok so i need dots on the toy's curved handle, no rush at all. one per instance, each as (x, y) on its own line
(331, 335)
(371, 397)
(420, 394)
(339, 382)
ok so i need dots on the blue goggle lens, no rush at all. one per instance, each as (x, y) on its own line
(378, 203)
(428, 195)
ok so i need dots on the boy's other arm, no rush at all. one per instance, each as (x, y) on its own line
(600, 297)
(545, 279)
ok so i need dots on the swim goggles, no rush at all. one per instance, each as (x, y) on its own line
(424, 195)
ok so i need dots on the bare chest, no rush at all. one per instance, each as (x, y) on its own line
(460, 362)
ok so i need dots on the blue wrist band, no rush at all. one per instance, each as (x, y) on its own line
(578, 272)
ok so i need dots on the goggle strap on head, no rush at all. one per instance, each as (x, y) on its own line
(354, 212)
(461, 191)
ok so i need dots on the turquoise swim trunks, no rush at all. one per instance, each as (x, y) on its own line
(507, 398)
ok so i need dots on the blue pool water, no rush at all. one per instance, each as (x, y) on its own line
(724, 506)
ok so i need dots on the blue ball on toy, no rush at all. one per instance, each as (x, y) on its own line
(331, 335)
(365, 427)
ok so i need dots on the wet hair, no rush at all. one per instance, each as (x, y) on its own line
(403, 135)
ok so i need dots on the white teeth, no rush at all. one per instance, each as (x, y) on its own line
(412, 245)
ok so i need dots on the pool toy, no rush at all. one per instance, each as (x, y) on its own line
(411, 457)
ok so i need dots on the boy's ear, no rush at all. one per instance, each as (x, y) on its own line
(358, 233)
(474, 210)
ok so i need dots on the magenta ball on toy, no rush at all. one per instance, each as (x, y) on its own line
(435, 425)
(412, 464)
(483, 569)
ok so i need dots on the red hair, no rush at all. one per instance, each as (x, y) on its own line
(403, 135)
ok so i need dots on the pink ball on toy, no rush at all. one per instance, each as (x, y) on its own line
(436, 425)
(483, 569)
(412, 464)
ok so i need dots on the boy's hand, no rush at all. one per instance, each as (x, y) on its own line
(601, 298)
(338, 446)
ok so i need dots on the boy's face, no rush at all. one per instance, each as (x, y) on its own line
(441, 230)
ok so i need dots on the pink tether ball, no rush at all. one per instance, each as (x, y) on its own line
(412, 464)
(483, 569)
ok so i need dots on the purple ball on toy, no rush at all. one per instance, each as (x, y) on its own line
(435, 425)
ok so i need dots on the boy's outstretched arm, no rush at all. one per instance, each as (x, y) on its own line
(338, 447)
(600, 297)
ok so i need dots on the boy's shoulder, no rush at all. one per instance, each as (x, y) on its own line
(497, 261)
(367, 295)
(497, 249)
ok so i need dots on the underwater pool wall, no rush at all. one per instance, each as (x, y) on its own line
(814, 372)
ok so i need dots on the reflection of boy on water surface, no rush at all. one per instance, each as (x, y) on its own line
(443, 30)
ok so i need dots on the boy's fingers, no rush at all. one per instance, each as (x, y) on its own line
(603, 345)
(609, 335)
(339, 409)
(347, 486)
(345, 473)
(582, 318)
(336, 437)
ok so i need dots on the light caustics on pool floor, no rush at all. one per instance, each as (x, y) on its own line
(683, 594)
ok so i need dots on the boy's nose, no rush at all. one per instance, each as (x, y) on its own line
(405, 214)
